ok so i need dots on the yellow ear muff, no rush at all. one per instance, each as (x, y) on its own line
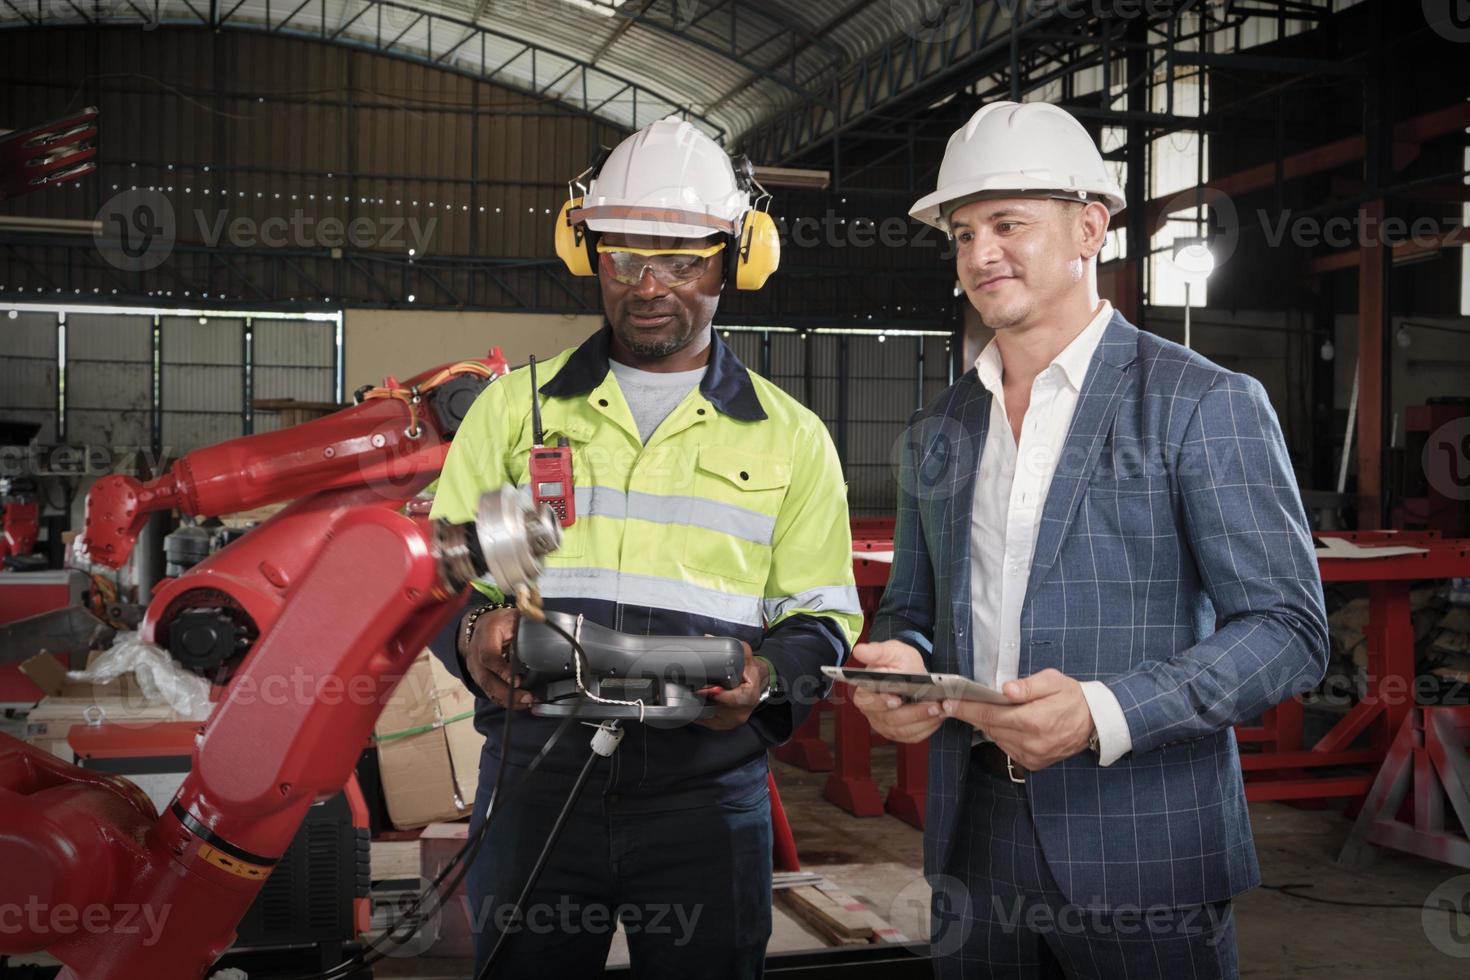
(760, 251)
(571, 241)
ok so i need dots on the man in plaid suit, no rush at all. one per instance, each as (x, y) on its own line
(1105, 526)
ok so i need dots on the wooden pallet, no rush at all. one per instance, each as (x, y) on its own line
(836, 916)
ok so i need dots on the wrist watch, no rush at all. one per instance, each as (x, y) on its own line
(773, 682)
(1094, 741)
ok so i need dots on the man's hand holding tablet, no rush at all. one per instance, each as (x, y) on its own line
(891, 715)
(917, 687)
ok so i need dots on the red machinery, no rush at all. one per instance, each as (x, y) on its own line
(380, 452)
(20, 525)
(48, 154)
(327, 603)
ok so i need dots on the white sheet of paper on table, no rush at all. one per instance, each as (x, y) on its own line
(1343, 548)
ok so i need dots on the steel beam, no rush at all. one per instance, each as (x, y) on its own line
(1248, 62)
(352, 33)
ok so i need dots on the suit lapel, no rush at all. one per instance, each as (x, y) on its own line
(1097, 404)
(972, 411)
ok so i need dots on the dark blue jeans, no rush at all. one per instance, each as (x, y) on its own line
(691, 886)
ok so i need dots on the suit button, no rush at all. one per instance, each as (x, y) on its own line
(959, 630)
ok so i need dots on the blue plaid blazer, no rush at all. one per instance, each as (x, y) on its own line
(1173, 563)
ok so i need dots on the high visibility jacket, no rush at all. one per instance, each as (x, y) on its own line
(731, 521)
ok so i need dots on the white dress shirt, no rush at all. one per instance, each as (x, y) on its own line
(1010, 491)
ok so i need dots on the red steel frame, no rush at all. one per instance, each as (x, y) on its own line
(1389, 697)
(1427, 767)
(1282, 767)
(851, 785)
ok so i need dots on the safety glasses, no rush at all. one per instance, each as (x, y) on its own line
(670, 266)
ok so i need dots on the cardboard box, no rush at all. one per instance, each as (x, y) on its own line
(428, 749)
(69, 703)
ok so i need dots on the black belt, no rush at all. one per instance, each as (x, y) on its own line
(992, 758)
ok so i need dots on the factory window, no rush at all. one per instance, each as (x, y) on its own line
(1112, 140)
(1177, 164)
(169, 380)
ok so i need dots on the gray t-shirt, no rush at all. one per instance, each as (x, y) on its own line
(652, 395)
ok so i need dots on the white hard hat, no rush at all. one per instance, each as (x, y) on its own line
(668, 179)
(1021, 148)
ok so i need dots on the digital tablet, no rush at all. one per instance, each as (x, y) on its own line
(918, 687)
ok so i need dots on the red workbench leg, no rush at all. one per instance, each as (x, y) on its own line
(807, 750)
(1391, 664)
(851, 784)
(906, 796)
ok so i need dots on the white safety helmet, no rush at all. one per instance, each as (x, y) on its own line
(1020, 149)
(667, 179)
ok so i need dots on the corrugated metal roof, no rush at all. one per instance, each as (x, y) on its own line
(728, 63)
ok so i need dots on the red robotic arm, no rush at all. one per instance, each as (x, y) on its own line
(88, 860)
(395, 437)
(321, 610)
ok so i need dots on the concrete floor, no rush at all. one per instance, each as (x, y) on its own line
(1280, 935)
(878, 859)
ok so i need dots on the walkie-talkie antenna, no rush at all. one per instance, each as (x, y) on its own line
(535, 405)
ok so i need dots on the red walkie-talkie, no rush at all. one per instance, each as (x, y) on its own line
(551, 466)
